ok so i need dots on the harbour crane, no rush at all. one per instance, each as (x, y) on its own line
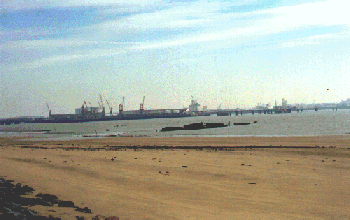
(48, 108)
(110, 108)
(90, 106)
(101, 101)
(83, 107)
(141, 105)
(121, 106)
(102, 107)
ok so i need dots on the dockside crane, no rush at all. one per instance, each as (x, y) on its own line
(110, 108)
(101, 101)
(141, 105)
(102, 107)
(83, 107)
(48, 108)
(121, 106)
(90, 105)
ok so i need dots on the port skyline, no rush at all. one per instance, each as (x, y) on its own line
(234, 54)
(259, 106)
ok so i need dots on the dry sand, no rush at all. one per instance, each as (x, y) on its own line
(200, 184)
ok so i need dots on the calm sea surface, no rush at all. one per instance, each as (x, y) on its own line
(307, 123)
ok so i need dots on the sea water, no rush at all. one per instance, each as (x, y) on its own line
(306, 123)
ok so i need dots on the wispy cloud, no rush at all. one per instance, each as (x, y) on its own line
(326, 13)
(55, 44)
(36, 4)
(189, 23)
(67, 58)
(315, 40)
(273, 21)
(182, 15)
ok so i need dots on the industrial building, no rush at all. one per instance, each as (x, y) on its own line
(87, 109)
(194, 106)
(80, 113)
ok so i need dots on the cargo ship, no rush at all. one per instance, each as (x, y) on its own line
(87, 115)
(83, 118)
(90, 114)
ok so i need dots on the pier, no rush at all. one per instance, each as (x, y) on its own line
(148, 114)
(236, 112)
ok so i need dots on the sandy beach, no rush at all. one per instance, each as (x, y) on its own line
(234, 183)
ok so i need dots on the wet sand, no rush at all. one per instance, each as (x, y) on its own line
(235, 183)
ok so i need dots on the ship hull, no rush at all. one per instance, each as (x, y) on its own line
(109, 118)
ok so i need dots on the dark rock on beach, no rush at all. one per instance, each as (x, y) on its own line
(12, 204)
(48, 198)
(66, 204)
(85, 210)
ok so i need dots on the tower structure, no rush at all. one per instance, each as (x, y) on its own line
(194, 106)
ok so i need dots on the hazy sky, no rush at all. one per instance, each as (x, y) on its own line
(234, 53)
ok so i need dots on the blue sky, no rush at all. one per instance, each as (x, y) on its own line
(228, 53)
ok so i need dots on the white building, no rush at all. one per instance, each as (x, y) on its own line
(284, 103)
(345, 103)
(194, 107)
(87, 109)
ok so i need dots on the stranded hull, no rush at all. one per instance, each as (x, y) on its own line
(196, 126)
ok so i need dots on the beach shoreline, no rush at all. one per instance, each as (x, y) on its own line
(213, 178)
(341, 141)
